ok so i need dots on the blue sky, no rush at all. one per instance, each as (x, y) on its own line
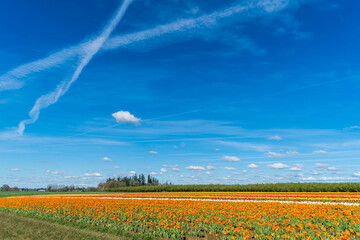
(193, 91)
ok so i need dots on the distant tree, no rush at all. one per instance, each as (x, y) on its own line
(6, 188)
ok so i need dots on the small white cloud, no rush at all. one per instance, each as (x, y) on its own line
(116, 167)
(208, 173)
(153, 152)
(195, 167)
(217, 149)
(274, 155)
(277, 138)
(176, 169)
(163, 170)
(106, 159)
(230, 168)
(299, 165)
(321, 165)
(14, 169)
(253, 165)
(92, 175)
(278, 166)
(211, 167)
(154, 173)
(353, 127)
(309, 179)
(332, 169)
(231, 159)
(295, 169)
(132, 173)
(356, 174)
(317, 173)
(319, 152)
(125, 117)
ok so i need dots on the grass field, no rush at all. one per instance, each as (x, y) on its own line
(31, 193)
(17, 227)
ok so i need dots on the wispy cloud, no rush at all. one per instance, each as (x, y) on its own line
(90, 50)
(276, 137)
(319, 152)
(274, 155)
(231, 159)
(168, 33)
(195, 168)
(106, 159)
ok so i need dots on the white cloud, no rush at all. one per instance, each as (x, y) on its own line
(132, 173)
(217, 149)
(106, 159)
(208, 173)
(14, 169)
(292, 153)
(230, 168)
(332, 169)
(321, 165)
(274, 155)
(309, 179)
(195, 167)
(253, 165)
(278, 166)
(277, 138)
(295, 169)
(356, 174)
(163, 170)
(317, 173)
(153, 152)
(92, 175)
(319, 152)
(125, 117)
(299, 165)
(116, 167)
(231, 159)
(176, 169)
(211, 167)
(353, 127)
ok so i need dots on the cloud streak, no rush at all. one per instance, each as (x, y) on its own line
(170, 32)
(89, 52)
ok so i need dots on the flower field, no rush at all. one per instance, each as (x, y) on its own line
(196, 219)
(261, 196)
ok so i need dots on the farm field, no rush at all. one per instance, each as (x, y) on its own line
(157, 216)
(238, 196)
(18, 227)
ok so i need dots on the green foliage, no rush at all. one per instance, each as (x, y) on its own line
(275, 187)
(132, 181)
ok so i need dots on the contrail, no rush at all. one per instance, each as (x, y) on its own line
(91, 49)
(170, 32)
(11, 79)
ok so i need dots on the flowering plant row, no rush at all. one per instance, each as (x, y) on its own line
(199, 219)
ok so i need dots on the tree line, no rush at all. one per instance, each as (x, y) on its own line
(128, 182)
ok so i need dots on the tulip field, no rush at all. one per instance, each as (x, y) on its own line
(204, 215)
